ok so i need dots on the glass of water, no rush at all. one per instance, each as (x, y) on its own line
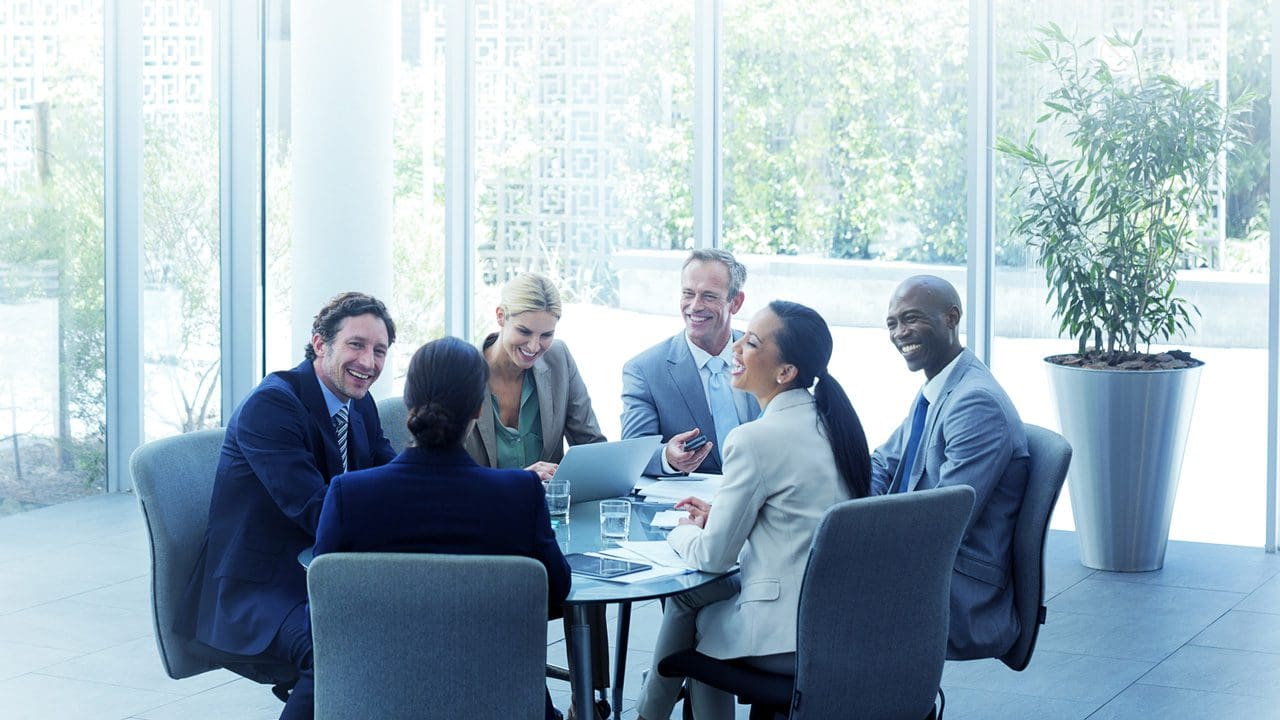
(615, 519)
(558, 500)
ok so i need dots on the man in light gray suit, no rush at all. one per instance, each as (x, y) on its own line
(962, 429)
(681, 387)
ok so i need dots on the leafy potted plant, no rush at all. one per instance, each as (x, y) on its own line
(1113, 218)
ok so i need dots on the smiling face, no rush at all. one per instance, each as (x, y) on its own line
(757, 362)
(705, 304)
(524, 337)
(353, 360)
(924, 326)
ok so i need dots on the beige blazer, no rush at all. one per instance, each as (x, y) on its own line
(779, 479)
(563, 402)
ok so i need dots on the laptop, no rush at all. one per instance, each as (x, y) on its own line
(606, 470)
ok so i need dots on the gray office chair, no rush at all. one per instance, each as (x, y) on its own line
(173, 478)
(394, 417)
(871, 634)
(416, 635)
(1050, 457)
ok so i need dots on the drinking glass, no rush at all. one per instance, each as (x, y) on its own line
(558, 499)
(615, 519)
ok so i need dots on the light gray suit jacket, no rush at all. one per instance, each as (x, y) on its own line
(563, 402)
(972, 436)
(780, 478)
(662, 394)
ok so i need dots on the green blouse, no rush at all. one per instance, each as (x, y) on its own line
(522, 446)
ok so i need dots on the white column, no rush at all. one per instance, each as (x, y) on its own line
(343, 60)
(981, 256)
(1273, 315)
(707, 136)
(240, 220)
(123, 226)
(459, 170)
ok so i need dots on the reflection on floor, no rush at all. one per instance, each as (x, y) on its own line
(1199, 639)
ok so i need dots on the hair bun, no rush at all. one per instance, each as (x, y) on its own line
(430, 423)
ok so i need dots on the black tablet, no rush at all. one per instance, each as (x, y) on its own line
(601, 567)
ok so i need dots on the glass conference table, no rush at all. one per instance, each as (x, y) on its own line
(582, 534)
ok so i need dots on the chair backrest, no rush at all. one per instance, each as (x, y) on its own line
(1050, 457)
(875, 605)
(173, 478)
(394, 417)
(413, 635)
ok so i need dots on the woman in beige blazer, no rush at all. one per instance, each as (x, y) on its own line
(537, 400)
(805, 453)
(536, 403)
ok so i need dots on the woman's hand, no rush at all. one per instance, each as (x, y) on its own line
(698, 511)
(685, 460)
(544, 469)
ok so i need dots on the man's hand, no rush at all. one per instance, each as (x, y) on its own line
(698, 509)
(685, 460)
(544, 469)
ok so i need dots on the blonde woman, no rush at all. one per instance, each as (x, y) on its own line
(537, 400)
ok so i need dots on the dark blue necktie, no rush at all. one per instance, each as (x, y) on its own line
(913, 443)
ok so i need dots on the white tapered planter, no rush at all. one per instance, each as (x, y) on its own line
(1127, 430)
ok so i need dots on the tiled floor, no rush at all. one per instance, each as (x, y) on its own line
(1199, 639)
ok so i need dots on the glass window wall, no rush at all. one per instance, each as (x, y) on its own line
(1222, 493)
(181, 297)
(844, 169)
(583, 160)
(52, 393)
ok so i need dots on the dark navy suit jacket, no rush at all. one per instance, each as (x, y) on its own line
(438, 500)
(279, 454)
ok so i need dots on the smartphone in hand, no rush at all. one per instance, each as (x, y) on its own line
(694, 444)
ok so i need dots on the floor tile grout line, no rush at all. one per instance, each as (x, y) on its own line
(1138, 680)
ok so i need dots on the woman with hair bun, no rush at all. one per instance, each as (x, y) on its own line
(434, 497)
(805, 453)
(537, 400)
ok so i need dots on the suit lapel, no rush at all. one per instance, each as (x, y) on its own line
(931, 428)
(356, 437)
(546, 408)
(687, 381)
(488, 433)
(313, 400)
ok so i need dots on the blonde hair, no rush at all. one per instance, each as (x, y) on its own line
(529, 292)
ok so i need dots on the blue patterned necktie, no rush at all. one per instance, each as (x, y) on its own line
(723, 410)
(913, 443)
(340, 428)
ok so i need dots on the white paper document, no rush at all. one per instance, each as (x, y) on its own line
(655, 552)
(695, 485)
(668, 518)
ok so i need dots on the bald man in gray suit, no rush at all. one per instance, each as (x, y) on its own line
(962, 429)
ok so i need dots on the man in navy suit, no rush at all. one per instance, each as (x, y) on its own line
(962, 429)
(668, 390)
(294, 432)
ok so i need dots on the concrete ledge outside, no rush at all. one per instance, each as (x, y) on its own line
(855, 293)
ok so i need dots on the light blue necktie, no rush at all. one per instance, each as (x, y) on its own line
(913, 443)
(723, 411)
